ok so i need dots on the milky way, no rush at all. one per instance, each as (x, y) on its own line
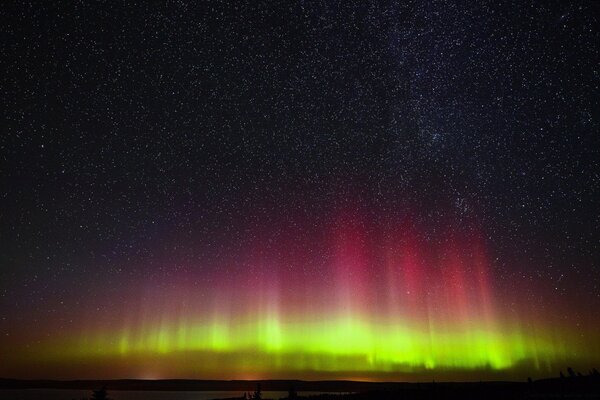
(300, 190)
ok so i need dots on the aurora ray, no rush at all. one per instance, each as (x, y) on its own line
(391, 301)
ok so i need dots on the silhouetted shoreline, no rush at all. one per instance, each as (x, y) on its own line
(570, 387)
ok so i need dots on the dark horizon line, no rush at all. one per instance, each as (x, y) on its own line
(237, 384)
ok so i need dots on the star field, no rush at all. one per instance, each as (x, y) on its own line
(149, 150)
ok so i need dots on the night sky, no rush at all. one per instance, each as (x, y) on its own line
(333, 189)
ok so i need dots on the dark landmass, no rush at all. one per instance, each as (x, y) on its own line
(565, 387)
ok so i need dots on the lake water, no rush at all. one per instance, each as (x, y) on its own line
(62, 394)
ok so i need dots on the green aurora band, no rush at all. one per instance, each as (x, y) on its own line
(400, 308)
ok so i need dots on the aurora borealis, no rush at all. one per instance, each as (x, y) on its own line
(385, 301)
(300, 191)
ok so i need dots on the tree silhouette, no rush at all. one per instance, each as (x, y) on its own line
(257, 393)
(100, 394)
